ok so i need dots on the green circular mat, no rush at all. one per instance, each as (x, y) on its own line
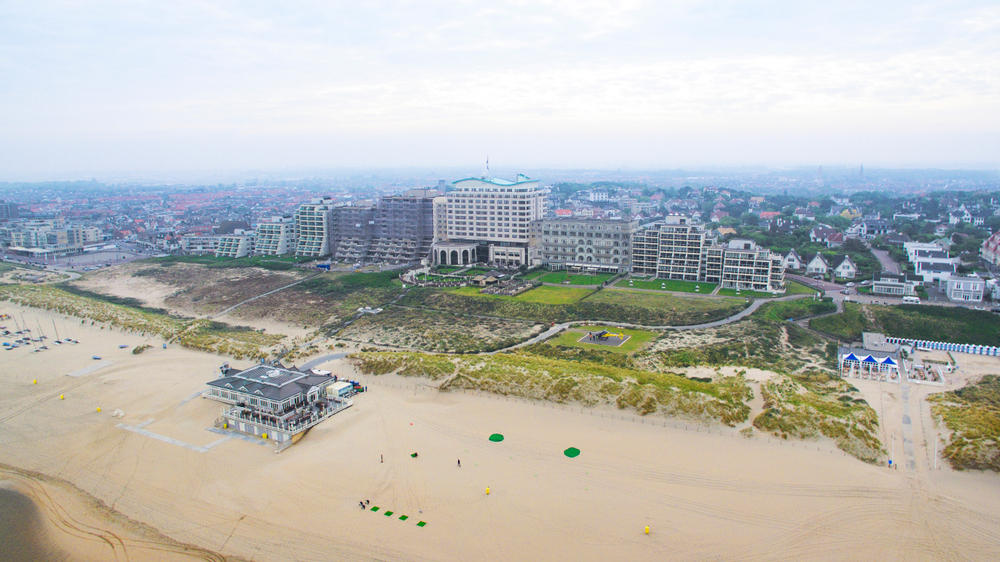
(572, 452)
(496, 437)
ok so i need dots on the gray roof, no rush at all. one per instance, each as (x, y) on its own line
(937, 254)
(272, 383)
(936, 266)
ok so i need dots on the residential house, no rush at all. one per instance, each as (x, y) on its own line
(847, 269)
(872, 228)
(792, 260)
(964, 289)
(804, 214)
(990, 250)
(932, 272)
(817, 266)
(826, 235)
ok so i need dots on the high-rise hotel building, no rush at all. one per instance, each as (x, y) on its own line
(488, 220)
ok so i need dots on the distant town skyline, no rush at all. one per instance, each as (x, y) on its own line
(104, 89)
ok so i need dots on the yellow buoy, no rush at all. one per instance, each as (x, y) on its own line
(61, 397)
(98, 409)
(487, 490)
(34, 381)
(225, 426)
(647, 529)
(264, 436)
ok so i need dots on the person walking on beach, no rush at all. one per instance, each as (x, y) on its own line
(459, 463)
(362, 504)
(381, 459)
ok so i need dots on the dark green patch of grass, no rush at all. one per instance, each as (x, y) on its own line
(275, 263)
(916, 321)
(112, 299)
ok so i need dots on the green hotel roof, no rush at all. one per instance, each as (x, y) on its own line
(498, 181)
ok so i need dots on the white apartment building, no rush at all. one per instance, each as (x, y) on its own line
(312, 225)
(239, 244)
(489, 219)
(200, 244)
(679, 249)
(748, 267)
(275, 237)
(670, 250)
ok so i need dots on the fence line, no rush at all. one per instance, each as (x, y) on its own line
(973, 349)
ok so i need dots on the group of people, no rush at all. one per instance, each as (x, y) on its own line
(364, 504)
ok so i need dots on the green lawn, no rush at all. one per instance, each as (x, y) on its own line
(637, 338)
(446, 269)
(544, 294)
(796, 288)
(744, 294)
(714, 308)
(472, 272)
(667, 285)
(575, 279)
(553, 295)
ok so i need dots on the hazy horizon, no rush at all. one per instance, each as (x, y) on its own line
(123, 90)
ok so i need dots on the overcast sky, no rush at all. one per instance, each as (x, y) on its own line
(91, 88)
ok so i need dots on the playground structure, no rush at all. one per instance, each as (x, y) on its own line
(605, 337)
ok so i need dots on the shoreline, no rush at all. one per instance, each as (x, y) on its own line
(81, 526)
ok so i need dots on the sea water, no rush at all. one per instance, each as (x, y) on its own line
(22, 530)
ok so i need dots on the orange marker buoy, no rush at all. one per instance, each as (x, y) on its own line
(647, 529)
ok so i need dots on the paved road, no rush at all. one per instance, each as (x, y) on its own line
(888, 264)
(323, 359)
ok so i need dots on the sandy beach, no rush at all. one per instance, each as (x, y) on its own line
(704, 494)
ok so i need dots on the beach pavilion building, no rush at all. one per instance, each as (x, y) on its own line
(275, 401)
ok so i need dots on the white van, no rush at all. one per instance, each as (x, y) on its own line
(911, 300)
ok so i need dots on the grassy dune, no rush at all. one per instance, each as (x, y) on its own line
(972, 414)
(237, 342)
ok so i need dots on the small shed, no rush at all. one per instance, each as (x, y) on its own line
(340, 389)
